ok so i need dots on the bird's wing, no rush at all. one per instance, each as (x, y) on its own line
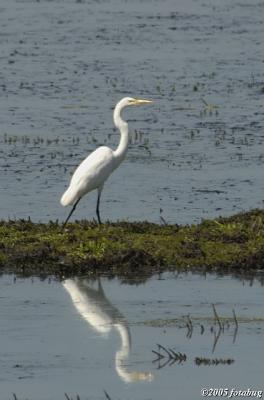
(95, 169)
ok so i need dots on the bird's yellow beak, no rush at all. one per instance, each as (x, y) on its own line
(138, 102)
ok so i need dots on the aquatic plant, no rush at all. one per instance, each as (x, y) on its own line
(169, 355)
(209, 108)
(213, 361)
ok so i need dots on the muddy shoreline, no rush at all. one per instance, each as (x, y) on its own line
(124, 249)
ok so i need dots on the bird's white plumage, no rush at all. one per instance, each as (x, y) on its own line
(102, 316)
(96, 168)
(90, 174)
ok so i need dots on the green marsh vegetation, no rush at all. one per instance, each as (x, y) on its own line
(126, 249)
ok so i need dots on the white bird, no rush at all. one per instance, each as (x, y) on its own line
(102, 316)
(95, 169)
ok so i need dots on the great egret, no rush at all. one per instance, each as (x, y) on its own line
(100, 314)
(95, 169)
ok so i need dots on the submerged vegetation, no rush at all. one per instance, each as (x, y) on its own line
(139, 248)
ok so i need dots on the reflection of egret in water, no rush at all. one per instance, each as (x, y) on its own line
(96, 309)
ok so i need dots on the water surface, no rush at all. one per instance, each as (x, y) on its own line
(64, 64)
(83, 337)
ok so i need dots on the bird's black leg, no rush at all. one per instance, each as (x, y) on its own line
(98, 205)
(69, 216)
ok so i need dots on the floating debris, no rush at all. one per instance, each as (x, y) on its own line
(213, 361)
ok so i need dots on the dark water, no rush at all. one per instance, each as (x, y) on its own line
(64, 64)
(83, 337)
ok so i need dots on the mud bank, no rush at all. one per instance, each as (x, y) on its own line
(120, 249)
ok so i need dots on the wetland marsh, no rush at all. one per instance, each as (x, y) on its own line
(83, 336)
(195, 155)
(65, 64)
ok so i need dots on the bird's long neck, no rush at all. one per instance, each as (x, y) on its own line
(122, 125)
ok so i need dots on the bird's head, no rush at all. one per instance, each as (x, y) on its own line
(126, 101)
(130, 101)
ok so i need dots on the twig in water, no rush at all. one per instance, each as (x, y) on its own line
(107, 395)
(189, 327)
(236, 328)
(69, 398)
(167, 362)
(235, 318)
(177, 357)
(216, 338)
(166, 351)
(158, 354)
(14, 395)
(171, 357)
(180, 357)
(217, 318)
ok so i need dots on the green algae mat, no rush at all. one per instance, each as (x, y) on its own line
(120, 249)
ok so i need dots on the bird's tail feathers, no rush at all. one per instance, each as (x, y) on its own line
(69, 197)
